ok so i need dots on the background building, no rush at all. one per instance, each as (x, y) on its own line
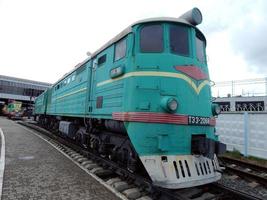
(21, 90)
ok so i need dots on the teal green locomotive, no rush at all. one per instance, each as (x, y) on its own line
(143, 100)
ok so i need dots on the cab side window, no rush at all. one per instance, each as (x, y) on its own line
(200, 47)
(102, 59)
(120, 50)
(151, 38)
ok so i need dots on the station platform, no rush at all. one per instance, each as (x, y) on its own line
(36, 170)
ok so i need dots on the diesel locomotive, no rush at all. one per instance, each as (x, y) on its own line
(143, 100)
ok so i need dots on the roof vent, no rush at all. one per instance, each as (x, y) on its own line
(192, 16)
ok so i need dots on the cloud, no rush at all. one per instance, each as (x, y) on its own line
(249, 37)
(43, 40)
(245, 24)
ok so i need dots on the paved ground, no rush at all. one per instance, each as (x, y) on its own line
(35, 170)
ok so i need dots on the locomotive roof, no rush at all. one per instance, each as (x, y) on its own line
(149, 20)
(125, 32)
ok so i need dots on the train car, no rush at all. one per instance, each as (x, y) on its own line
(143, 100)
(40, 104)
(14, 110)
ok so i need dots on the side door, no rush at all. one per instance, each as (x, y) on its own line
(107, 83)
(99, 67)
(92, 65)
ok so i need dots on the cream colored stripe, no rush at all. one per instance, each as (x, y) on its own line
(71, 93)
(201, 85)
(161, 74)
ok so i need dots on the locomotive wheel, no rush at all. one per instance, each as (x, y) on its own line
(80, 137)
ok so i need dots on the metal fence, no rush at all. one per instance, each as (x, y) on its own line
(246, 87)
(244, 131)
(239, 104)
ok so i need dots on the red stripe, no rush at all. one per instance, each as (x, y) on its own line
(149, 117)
(212, 121)
(192, 71)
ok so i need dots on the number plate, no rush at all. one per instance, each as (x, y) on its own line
(196, 120)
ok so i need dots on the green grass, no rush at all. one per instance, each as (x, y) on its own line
(236, 154)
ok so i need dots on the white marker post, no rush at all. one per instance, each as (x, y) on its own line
(2, 162)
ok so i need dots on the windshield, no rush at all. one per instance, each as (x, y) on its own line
(179, 43)
(151, 38)
(180, 40)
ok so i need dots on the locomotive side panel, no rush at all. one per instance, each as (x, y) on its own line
(50, 108)
(108, 96)
(69, 96)
(40, 104)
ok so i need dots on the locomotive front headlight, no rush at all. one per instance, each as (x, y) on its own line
(216, 109)
(169, 104)
(172, 104)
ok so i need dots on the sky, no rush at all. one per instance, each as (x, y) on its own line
(44, 39)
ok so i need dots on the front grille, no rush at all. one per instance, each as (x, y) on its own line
(200, 167)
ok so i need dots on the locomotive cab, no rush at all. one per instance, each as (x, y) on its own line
(171, 102)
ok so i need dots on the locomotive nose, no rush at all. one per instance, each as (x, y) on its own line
(181, 171)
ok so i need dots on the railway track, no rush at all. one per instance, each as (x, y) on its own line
(129, 185)
(247, 170)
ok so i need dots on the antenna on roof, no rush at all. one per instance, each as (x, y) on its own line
(89, 54)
